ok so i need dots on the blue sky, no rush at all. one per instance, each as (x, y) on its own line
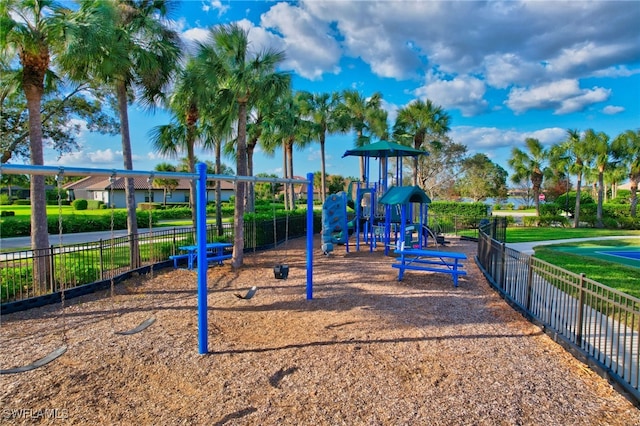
(504, 71)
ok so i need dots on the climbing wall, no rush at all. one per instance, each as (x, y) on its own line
(334, 221)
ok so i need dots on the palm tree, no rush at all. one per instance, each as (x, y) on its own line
(216, 128)
(599, 144)
(626, 148)
(260, 113)
(191, 94)
(322, 109)
(365, 116)
(418, 124)
(578, 156)
(137, 56)
(242, 78)
(33, 31)
(530, 166)
(167, 185)
(287, 128)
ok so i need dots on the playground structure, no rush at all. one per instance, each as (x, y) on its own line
(386, 214)
(335, 229)
(201, 178)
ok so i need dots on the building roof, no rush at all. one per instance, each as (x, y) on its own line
(101, 183)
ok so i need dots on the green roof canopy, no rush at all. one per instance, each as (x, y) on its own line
(384, 149)
(404, 195)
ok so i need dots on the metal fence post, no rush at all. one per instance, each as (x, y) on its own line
(173, 247)
(52, 262)
(529, 283)
(579, 314)
(101, 259)
(503, 268)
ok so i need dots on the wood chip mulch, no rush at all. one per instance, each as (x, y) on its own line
(367, 350)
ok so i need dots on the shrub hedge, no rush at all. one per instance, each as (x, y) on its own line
(459, 209)
(80, 204)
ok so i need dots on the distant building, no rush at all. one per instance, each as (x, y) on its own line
(99, 188)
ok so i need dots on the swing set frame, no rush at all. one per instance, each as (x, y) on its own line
(201, 178)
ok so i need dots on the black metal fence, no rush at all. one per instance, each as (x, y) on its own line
(71, 266)
(598, 324)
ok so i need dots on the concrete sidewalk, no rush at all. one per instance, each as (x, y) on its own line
(76, 238)
(527, 248)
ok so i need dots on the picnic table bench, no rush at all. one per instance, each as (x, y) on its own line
(215, 253)
(447, 262)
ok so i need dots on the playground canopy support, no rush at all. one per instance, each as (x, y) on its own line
(201, 178)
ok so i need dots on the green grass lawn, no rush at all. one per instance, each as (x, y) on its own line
(612, 274)
(25, 211)
(526, 234)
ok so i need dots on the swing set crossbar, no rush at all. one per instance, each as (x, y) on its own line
(201, 178)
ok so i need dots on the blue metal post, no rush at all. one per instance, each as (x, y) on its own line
(310, 236)
(201, 238)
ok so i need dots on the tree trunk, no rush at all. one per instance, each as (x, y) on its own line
(39, 231)
(363, 178)
(218, 190)
(634, 196)
(599, 223)
(285, 174)
(576, 213)
(250, 198)
(241, 170)
(292, 195)
(323, 174)
(130, 191)
(192, 185)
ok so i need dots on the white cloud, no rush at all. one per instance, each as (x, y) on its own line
(196, 34)
(612, 109)
(215, 5)
(310, 46)
(504, 70)
(485, 139)
(465, 93)
(107, 156)
(508, 43)
(563, 96)
(616, 71)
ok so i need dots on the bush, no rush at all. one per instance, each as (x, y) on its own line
(6, 213)
(629, 222)
(149, 206)
(76, 273)
(94, 204)
(12, 279)
(22, 202)
(623, 196)
(553, 220)
(616, 210)
(52, 195)
(568, 203)
(173, 213)
(15, 227)
(5, 200)
(549, 209)
(80, 204)
(460, 209)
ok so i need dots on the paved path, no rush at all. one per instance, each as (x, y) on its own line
(76, 238)
(527, 248)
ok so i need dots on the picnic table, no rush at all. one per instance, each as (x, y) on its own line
(215, 253)
(447, 262)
